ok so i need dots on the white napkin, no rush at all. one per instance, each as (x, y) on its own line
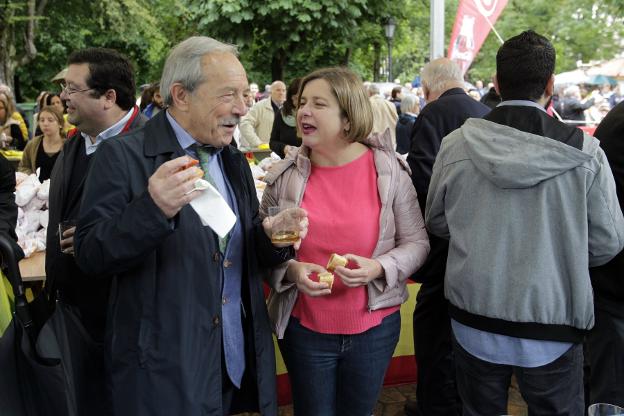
(213, 210)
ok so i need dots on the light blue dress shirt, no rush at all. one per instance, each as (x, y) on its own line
(232, 264)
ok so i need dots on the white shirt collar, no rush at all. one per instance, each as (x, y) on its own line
(113, 130)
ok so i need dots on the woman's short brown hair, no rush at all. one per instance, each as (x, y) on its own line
(352, 99)
(55, 112)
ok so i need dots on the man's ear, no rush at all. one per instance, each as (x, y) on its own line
(495, 81)
(425, 93)
(111, 98)
(180, 97)
(550, 86)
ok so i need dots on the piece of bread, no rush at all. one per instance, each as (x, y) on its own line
(336, 260)
(326, 277)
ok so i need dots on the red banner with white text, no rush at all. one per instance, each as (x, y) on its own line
(473, 22)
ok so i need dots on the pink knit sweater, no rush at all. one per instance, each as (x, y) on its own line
(343, 208)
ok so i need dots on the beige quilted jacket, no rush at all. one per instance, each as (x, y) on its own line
(402, 246)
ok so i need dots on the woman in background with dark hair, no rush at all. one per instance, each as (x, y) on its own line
(284, 133)
(50, 99)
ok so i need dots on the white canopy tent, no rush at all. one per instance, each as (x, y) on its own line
(578, 76)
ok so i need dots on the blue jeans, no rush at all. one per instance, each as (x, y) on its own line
(338, 374)
(554, 389)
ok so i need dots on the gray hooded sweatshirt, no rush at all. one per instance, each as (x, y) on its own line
(526, 215)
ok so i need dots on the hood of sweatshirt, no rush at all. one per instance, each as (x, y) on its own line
(511, 158)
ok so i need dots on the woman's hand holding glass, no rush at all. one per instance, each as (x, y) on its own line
(367, 270)
(299, 272)
(292, 220)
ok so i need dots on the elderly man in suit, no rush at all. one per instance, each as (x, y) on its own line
(188, 331)
(448, 107)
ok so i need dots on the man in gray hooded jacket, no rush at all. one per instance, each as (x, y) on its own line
(528, 204)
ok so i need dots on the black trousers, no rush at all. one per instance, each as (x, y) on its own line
(605, 355)
(436, 391)
(554, 389)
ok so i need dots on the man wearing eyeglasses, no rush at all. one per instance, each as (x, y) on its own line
(99, 93)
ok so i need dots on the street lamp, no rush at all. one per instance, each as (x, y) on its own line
(389, 27)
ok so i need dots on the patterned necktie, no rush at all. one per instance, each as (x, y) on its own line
(205, 153)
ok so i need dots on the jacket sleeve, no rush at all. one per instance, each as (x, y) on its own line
(248, 125)
(435, 216)
(116, 229)
(425, 142)
(277, 276)
(27, 163)
(606, 223)
(411, 241)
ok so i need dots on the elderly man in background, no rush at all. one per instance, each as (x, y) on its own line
(385, 114)
(448, 107)
(256, 126)
(189, 331)
(573, 108)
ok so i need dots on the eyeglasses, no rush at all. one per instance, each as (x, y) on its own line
(69, 91)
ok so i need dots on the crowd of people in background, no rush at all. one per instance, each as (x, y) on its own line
(508, 217)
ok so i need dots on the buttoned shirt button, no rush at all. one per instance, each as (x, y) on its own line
(225, 300)
(227, 263)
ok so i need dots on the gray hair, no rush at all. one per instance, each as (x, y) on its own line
(373, 89)
(442, 74)
(572, 91)
(184, 64)
(408, 102)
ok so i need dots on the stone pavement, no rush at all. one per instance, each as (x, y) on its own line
(392, 401)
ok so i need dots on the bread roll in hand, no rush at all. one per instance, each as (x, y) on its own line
(326, 277)
(336, 260)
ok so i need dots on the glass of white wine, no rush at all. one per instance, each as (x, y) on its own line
(285, 221)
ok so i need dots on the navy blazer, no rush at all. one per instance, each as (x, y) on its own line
(62, 272)
(164, 334)
(436, 120)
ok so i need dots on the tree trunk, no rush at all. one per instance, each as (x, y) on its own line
(278, 61)
(347, 56)
(7, 63)
(11, 29)
(377, 52)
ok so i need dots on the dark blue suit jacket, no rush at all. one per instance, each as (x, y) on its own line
(436, 120)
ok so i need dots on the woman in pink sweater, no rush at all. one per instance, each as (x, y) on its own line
(338, 341)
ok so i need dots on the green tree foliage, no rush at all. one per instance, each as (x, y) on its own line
(580, 30)
(129, 26)
(284, 38)
(18, 29)
(290, 37)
